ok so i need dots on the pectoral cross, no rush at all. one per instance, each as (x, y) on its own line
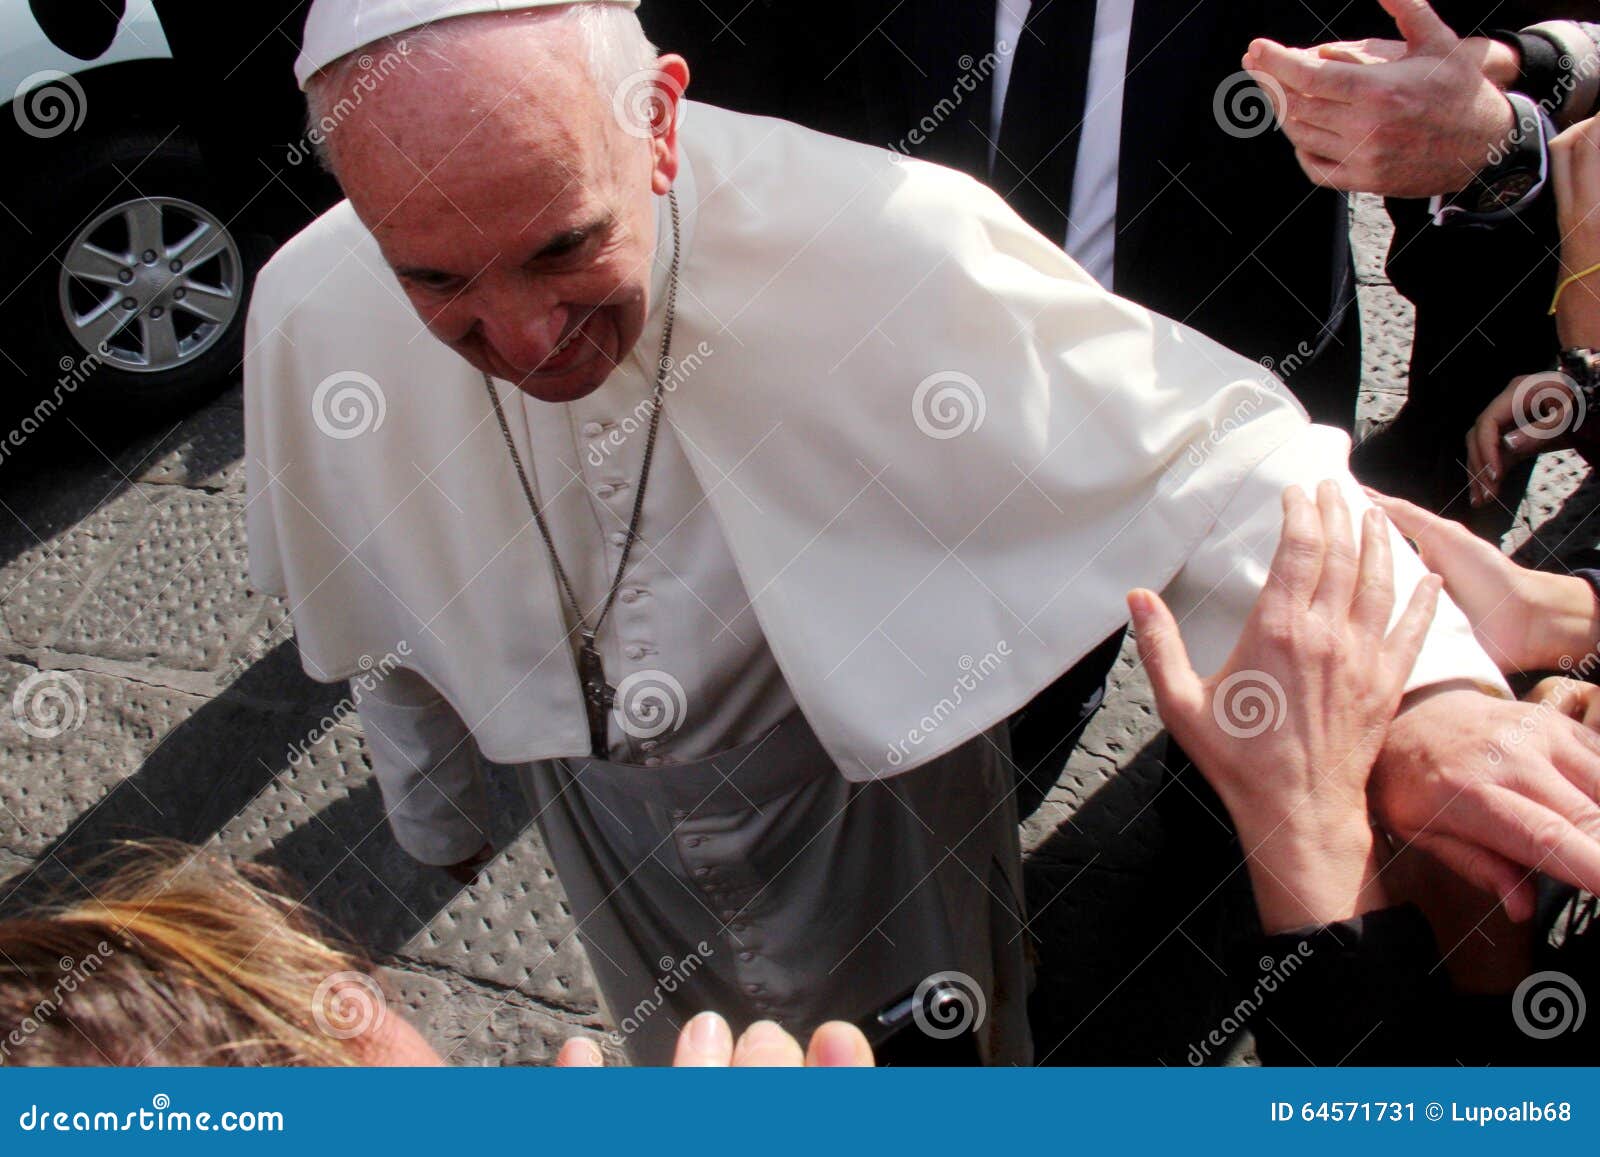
(598, 695)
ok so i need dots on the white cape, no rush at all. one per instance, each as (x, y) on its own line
(940, 454)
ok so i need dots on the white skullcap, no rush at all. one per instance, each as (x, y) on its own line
(336, 28)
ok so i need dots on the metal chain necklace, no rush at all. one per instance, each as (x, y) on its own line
(598, 695)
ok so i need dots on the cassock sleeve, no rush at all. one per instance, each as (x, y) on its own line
(427, 769)
(1214, 593)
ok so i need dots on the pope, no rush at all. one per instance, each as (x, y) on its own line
(735, 484)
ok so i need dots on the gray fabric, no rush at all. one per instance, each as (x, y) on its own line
(762, 884)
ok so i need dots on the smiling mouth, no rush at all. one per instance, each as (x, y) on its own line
(569, 351)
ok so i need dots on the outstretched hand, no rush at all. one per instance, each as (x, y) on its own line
(1288, 730)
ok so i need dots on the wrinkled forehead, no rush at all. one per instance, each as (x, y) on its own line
(494, 134)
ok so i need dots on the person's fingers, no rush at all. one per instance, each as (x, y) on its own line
(706, 1042)
(1347, 122)
(580, 1053)
(1178, 690)
(1369, 51)
(1511, 883)
(764, 1045)
(1327, 172)
(1424, 32)
(1297, 563)
(1445, 546)
(1317, 140)
(1404, 643)
(839, 1045)
(1374, 601)
(1525, 831)
(1485, 463)
(1576, 752)
(1563, 694)
(1305, 71)
(1337, 581)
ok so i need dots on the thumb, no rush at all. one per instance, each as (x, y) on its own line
(1424, 32)
(1511, 884)
(1165, 658)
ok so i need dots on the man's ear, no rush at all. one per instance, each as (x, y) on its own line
(672, 82)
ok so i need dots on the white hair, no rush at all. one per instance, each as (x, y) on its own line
(614, 43)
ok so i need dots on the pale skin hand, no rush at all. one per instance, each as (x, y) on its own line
(1526, 620)
(1495, 790)
(1297, 786)
(1516, 425)
(1364, 118)
(707, 1042)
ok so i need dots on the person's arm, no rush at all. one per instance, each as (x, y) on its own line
(426, 766)
(1446, 777)
(1527, 620)
(1288, 729)
(1553, 409)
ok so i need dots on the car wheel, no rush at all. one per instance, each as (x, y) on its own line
(138, 288)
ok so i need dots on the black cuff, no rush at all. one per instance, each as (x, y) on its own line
(1541, 72)
(1367, 991)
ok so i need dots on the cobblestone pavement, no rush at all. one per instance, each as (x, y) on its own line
(123, 588)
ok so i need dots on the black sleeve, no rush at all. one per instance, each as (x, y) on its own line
(1366, 991)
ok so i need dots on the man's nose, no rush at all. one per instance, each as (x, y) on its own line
(524, 338)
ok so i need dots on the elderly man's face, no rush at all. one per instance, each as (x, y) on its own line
(516, 211)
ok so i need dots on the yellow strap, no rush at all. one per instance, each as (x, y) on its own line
(1562, 288)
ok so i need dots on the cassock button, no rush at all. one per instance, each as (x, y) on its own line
(753, 989)
(604, 491)
(630, 595)
(593, 429)
(702, 873)
(653, 761)
(650, 744)
(729, 914)
(633, 651)
(680, 816)
(747, 956)
(619, 538)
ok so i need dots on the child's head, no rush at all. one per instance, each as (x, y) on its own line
(180, 958)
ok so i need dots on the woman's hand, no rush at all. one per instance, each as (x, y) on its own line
(1287, 732)
(1526, 620)
(707, 1042)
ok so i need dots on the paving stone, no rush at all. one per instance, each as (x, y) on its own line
(54, 570)
(176, 595)
(320, 817)
(1370, 234)
(469, 1025)
(206, 451)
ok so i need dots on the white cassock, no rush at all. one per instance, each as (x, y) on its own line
(912, 460)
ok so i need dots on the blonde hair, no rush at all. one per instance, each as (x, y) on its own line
(179, 958)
